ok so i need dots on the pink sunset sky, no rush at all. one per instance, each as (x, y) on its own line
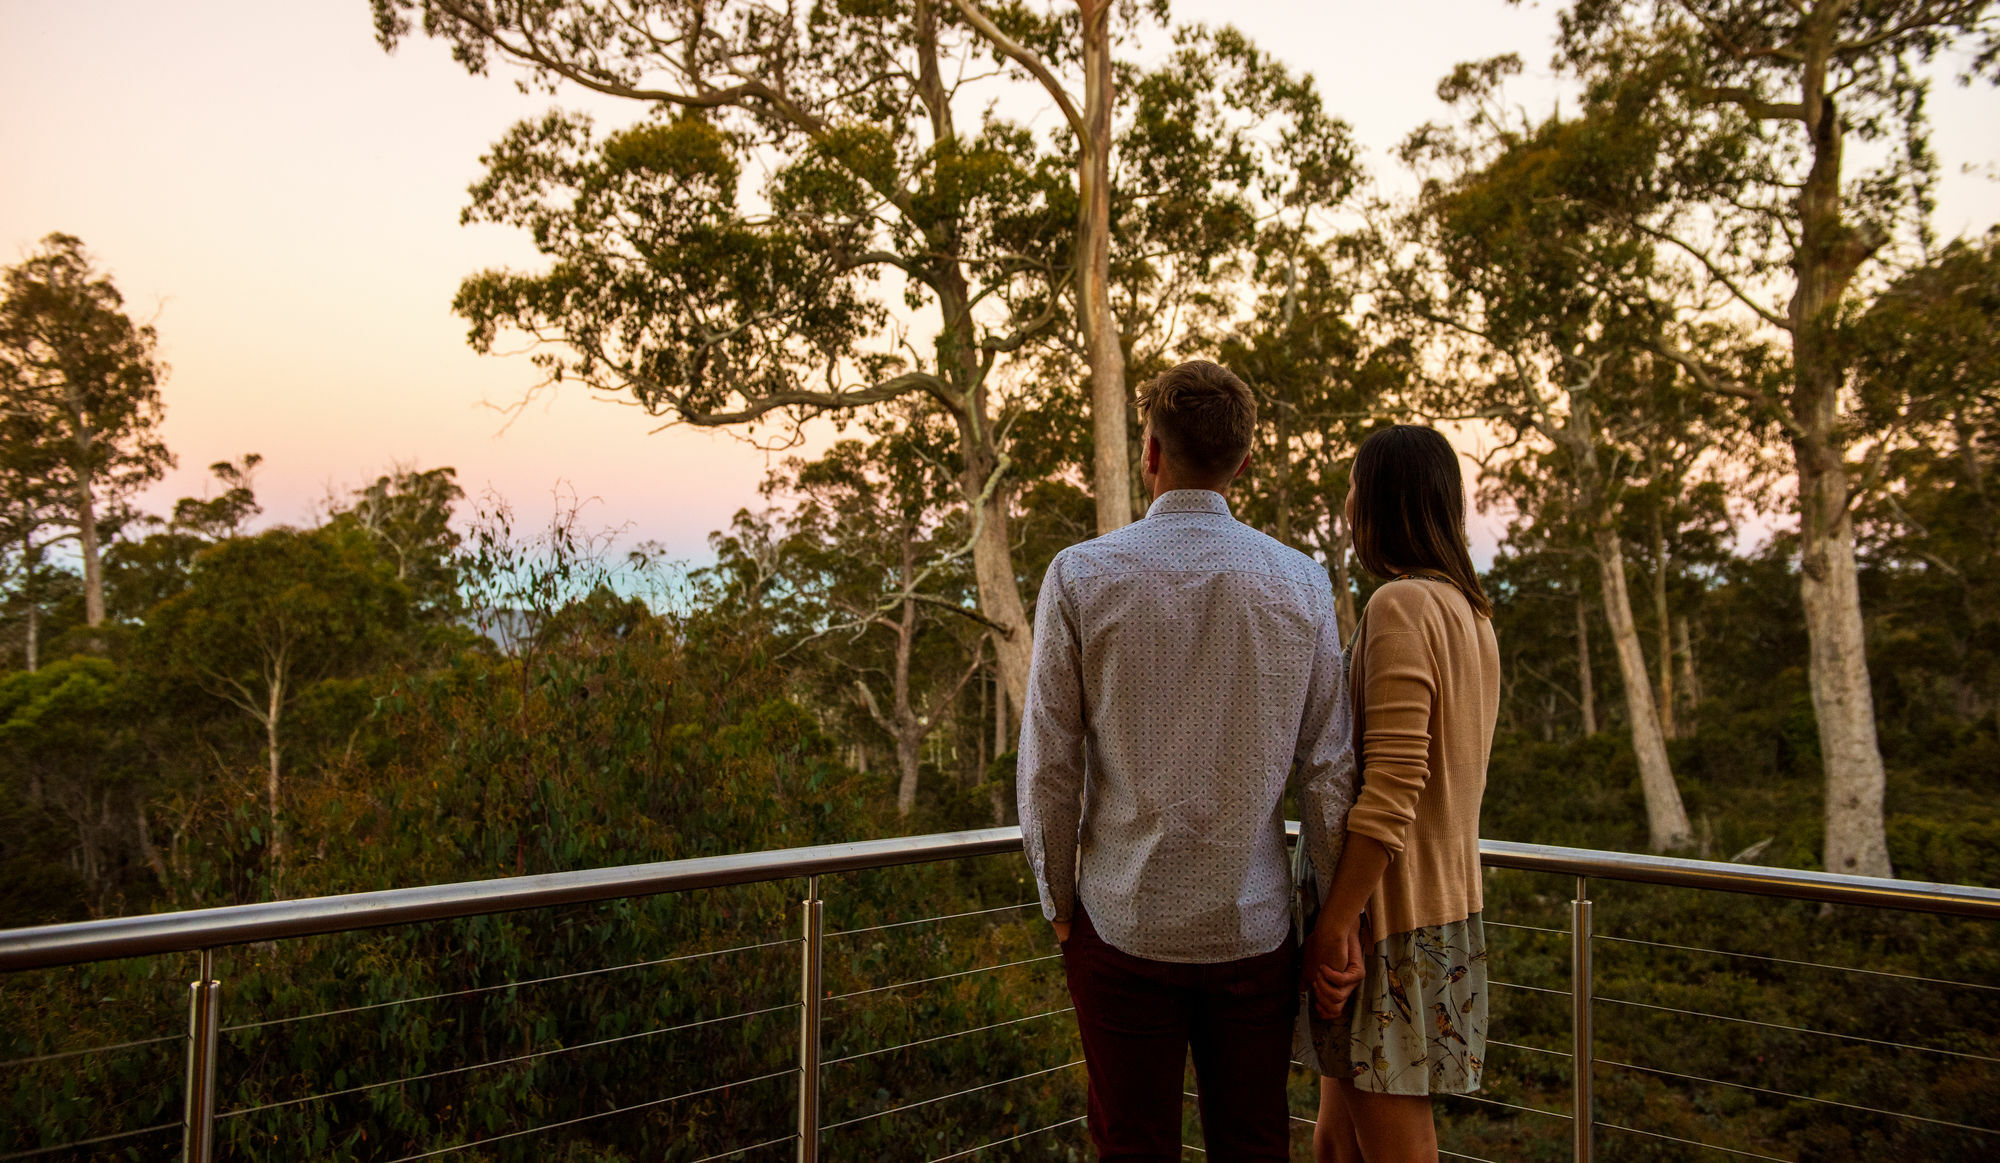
(281, 198)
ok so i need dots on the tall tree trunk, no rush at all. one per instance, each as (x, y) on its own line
(277, 848)
(1003, 739)
(1690, 683)
(1856, 838)
(908, 727)
(993, 569)
(1662, 621)
(1281, 479)
(1111, 465)
(1586, 684)
(93, 565)
(909, 761)
(1828, 255)
(1666, 819)
(1343, 582)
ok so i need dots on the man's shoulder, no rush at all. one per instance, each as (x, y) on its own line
(1136, 547)
(1259, 552)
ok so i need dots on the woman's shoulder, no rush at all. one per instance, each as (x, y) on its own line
(1407, 599)
(1421, 605)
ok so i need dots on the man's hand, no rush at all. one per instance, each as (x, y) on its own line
(1334, 965)
(1062, 932)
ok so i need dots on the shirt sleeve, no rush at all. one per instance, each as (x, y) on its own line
(1399, 693)
(1050, 774)
(1324, 756)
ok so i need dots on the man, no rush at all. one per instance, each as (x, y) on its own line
(1184, 667)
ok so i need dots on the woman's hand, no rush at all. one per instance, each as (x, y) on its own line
(1334, 965)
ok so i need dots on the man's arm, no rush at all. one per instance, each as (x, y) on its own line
(1050, 780)
(1324, 768)
(1324, 754)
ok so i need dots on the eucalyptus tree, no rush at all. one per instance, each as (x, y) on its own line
(81, 379)
(713, 301)
(1927, 371)
(1779, 230)
(1040, 47)
(31, 509)
(874, 552)
(1324, 381)
(262, 618)
(885, 168)
(1516, 283)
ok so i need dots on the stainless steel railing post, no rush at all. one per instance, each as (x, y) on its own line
(204, 1021)
(1582, 1060)
(811, 990)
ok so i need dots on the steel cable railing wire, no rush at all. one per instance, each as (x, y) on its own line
(36, 1152)
(1690, 1142)
(1803, 964)
(1619, 1001)
(1515, 1106)
(106, 1049)
(1800, 1097)
(479, 989)
(1009, 1139)
(946, 1037)
(515, 1060)
(939, 977)
(733, 1152)
(931, 920)
(1526, 928)
(910, 1106)
(623, 1110)
(1529, 988)
(1536, 1049)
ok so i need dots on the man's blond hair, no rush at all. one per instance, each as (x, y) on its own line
(1204, 416)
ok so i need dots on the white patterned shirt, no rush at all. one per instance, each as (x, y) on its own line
(1185, 668)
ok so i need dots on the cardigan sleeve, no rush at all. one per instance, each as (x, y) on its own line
(1400, 689)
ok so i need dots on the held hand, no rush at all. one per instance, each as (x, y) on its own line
(1062, 932)
(1334, 966)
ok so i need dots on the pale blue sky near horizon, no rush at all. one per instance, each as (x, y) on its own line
(282, 199)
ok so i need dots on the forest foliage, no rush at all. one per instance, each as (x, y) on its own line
(1679, 420)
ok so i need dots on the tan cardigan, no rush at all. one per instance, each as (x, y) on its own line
(1426, 682)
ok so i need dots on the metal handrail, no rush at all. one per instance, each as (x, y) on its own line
(208, 930)
(80, 941)
(69, 944)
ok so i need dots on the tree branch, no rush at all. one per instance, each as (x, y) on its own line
(1027, 59)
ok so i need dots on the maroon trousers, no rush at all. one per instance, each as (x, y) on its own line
(1139, 1019)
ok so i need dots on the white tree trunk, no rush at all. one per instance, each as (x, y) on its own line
(1662, 619)
(1111, 462)
(277, 851)
(93, 564)
(1856, 840)
(1666, 819)
(1000, 599)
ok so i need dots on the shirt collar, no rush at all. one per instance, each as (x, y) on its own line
(1190, 501)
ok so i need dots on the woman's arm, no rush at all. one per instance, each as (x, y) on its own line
(1334, 958)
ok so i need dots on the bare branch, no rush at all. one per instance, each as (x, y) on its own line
(1027, 59)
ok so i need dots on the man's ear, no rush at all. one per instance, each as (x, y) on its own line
(1241, 468)
(1153, 454)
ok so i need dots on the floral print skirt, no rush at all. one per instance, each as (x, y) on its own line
(1417, 1024)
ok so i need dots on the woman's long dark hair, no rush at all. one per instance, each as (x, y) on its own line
(1409, 509)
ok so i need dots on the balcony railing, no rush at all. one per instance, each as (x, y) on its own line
(207, 933)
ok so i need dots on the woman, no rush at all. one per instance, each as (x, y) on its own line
(1405, 899)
